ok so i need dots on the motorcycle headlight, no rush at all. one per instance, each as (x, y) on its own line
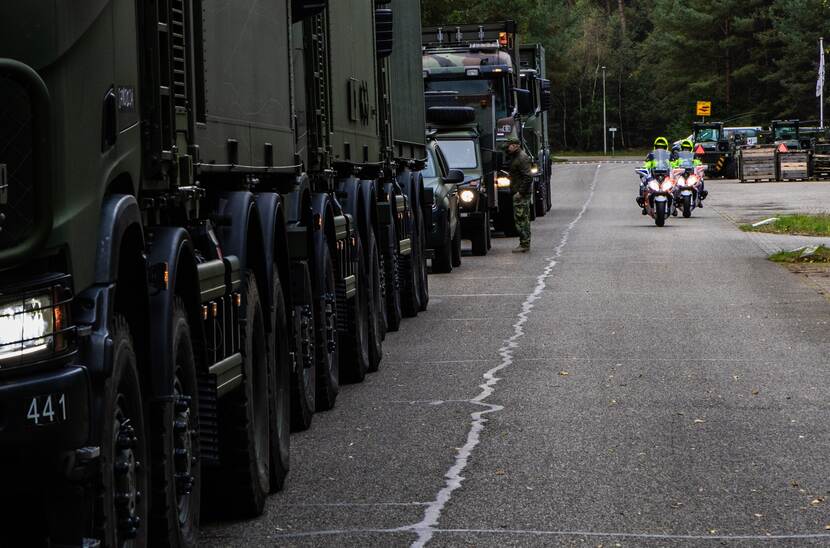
(654, 185)
(26, 326)
(692, 180)
(666, 185)
(467, 196)
(503, 182)
(680, 181)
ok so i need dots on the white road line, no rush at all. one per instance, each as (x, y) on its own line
(426, 527)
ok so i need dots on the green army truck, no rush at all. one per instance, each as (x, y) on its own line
(481, 60)
(719, 151)
(190, 198)
(532, 77)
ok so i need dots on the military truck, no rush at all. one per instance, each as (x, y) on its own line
(205, 218)
(719, 151)
(535, 124)
(481, 60)
(456, 134)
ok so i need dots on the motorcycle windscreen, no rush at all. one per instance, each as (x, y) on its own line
(662, 160)
(687, 159)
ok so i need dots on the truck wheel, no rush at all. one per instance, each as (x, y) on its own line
(541, 200)
(392, 286)
(121, 514)
(176, 457)
(411, 268)
(354, 342)
(243, 418)
(456, 247)
(480, 237)
(279, 400)
(533, 200)
(304, 379)
(488, 230)
(376, 304)
(325, 345)
(442, 260)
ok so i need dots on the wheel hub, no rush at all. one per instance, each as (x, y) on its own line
(125, 481)
(183, 453)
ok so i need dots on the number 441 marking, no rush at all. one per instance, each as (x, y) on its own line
(47, 409)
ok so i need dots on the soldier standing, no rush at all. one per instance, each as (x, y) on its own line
(521, 182)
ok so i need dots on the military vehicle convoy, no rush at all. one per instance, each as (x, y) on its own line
(208, 219)
(481, 64)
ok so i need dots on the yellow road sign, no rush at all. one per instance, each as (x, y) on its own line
(704, 108)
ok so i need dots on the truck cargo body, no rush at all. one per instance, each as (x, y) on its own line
(177, 247)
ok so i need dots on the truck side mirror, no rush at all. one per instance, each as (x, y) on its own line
(524, 101)
(384, 37)
(454, 177)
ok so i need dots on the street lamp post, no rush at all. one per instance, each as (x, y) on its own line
(604, 125)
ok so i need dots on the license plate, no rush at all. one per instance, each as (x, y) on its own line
(464, 214)
(47, 409)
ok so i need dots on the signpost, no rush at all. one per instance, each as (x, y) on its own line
(704, 108)
(613, 131)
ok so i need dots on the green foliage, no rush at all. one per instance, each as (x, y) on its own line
(754, 59)
(802, 224)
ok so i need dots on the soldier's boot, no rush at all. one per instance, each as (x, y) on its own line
(521, 249)
(640, 201)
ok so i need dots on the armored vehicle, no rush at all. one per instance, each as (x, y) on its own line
(205, 219)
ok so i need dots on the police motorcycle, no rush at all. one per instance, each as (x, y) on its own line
(688, 183)
(658, 188)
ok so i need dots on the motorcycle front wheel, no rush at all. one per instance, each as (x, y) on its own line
(687, 206)
(660, 213)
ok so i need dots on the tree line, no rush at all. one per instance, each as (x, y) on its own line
(755, 60)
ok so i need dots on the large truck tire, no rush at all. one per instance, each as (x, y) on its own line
(354, 342)
(456, 247)
(121, 509)
(376, 304)
(245, 476)
(392, 284)
(279, 386)
(177, 477)
(304, 379)
(541, 199)
(442, 259)
(325, 344)
(480, 236)
(412, 271)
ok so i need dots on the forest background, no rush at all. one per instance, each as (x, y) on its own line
(756, 60)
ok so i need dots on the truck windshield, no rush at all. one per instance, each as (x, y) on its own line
(460, 154)
(785, 133)
(474, 86)
(707, 135)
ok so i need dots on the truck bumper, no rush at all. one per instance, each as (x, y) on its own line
(24, 400)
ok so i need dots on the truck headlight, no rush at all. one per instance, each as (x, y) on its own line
(534, 169)
(467, 196)
(503, 182)
(37, 322)
(26, 326)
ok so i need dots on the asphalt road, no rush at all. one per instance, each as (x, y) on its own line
(621, 385)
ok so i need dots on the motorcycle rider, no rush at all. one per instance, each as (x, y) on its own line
(688, 146)
(660, 143)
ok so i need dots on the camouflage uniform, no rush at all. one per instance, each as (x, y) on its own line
(521, 184)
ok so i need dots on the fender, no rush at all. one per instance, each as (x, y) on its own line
(354, 195)
(275, 246)
(171, 245)
(119, 213)
(368, 191)
(240, 234)
(322, 208)
(293, 201)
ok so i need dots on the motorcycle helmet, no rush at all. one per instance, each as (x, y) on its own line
(686, 145)
(661, 142)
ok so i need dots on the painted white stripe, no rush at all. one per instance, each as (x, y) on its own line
(426, 527)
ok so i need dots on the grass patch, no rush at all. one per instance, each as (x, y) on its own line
(804, 225)
(820, 255)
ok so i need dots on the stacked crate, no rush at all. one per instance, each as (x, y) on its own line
(757, 163)
(821, 161)
(793, 166)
